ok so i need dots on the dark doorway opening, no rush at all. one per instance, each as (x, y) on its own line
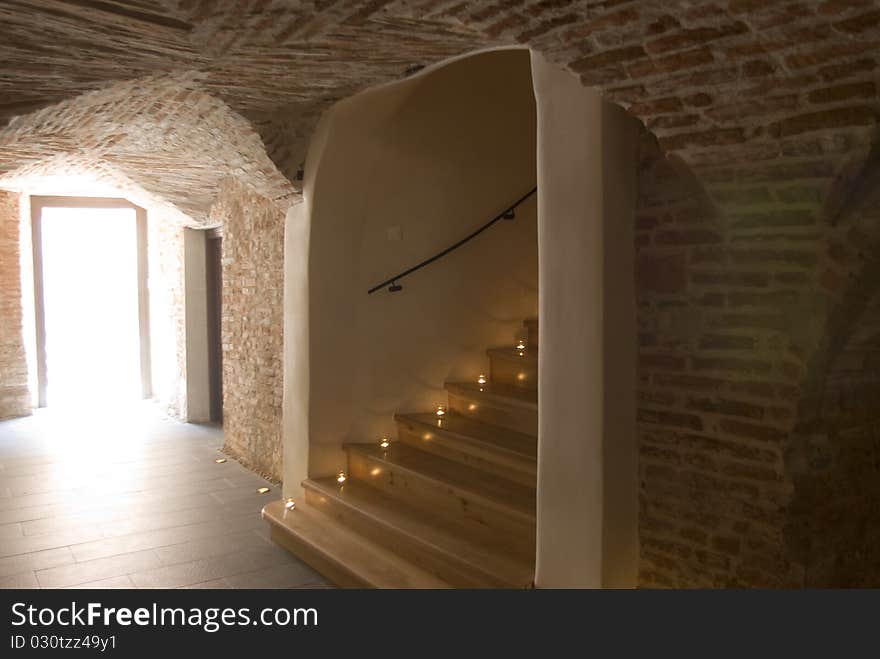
(214, 273)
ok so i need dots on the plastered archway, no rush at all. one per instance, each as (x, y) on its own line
(587, 506)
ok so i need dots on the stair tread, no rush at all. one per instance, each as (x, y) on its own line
(510, 441)
(528, 356)
(486, 551)
(354, 553)
(503, 493)
(506, 393)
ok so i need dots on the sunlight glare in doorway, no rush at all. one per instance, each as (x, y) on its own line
(90, 292)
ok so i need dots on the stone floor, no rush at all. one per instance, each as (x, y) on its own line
(132, 500)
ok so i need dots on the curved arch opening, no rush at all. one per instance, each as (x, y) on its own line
(399, 172)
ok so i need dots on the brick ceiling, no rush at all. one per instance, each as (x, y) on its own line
(172, 96)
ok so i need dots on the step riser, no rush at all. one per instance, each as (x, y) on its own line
(315, 559)
(425, 556)
(507, 416)
(521, 373)
(436, 497)
(451, 448)
(340, 554)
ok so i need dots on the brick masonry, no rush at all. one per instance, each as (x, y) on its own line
(757, 369)
(756, 229)
(700, 74)
(251, 328)
(14, 396)
(173, 149)
(834, 525)
(718, 380)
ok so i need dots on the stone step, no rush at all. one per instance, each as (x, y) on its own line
(461, 556)
(346, 558)
(518, 368)
(495, 449)
(441, 486)
(497, 404)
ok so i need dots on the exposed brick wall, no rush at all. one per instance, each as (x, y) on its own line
(14, 396)
(835, 465)
(757, 390)
(718, 306)
(699, 73)
(253, 263)
(144, 158)
(753, 272)
(834, 527)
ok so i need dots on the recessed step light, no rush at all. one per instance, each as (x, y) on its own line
(263, 490)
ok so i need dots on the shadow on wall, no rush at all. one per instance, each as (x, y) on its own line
(394, 175)
(833, 530)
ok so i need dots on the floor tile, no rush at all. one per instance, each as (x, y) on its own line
(139, 502)
(291, 575)
(21, 580)
(37, 560)
(207, 569)
(111, 582)
(102, 568)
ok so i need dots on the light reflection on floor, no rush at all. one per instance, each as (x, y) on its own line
(125, 497)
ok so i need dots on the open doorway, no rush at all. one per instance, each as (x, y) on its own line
(91, 307)
(214, 274)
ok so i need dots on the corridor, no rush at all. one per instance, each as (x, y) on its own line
(131, 499)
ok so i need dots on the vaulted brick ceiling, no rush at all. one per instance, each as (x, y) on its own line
(782, 87)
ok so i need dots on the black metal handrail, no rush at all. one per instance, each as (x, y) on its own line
(507, 214)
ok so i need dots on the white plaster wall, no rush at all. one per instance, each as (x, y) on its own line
(587, 494)
(29, 320)
(429, 159)
(295, 406)
(620, 532)
(198, 399)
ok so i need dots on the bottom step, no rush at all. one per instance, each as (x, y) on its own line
(346, 558)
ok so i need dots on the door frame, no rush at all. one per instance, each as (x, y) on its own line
(214, 275)
(38, 203)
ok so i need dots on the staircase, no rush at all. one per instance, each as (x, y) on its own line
(451, 504)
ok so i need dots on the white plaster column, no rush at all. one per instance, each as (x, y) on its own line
(587, 462)
(198, 396)
(295, 406)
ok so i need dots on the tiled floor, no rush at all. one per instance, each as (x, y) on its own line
(132, 501)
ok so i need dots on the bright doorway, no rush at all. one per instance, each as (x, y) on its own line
(90, 302)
